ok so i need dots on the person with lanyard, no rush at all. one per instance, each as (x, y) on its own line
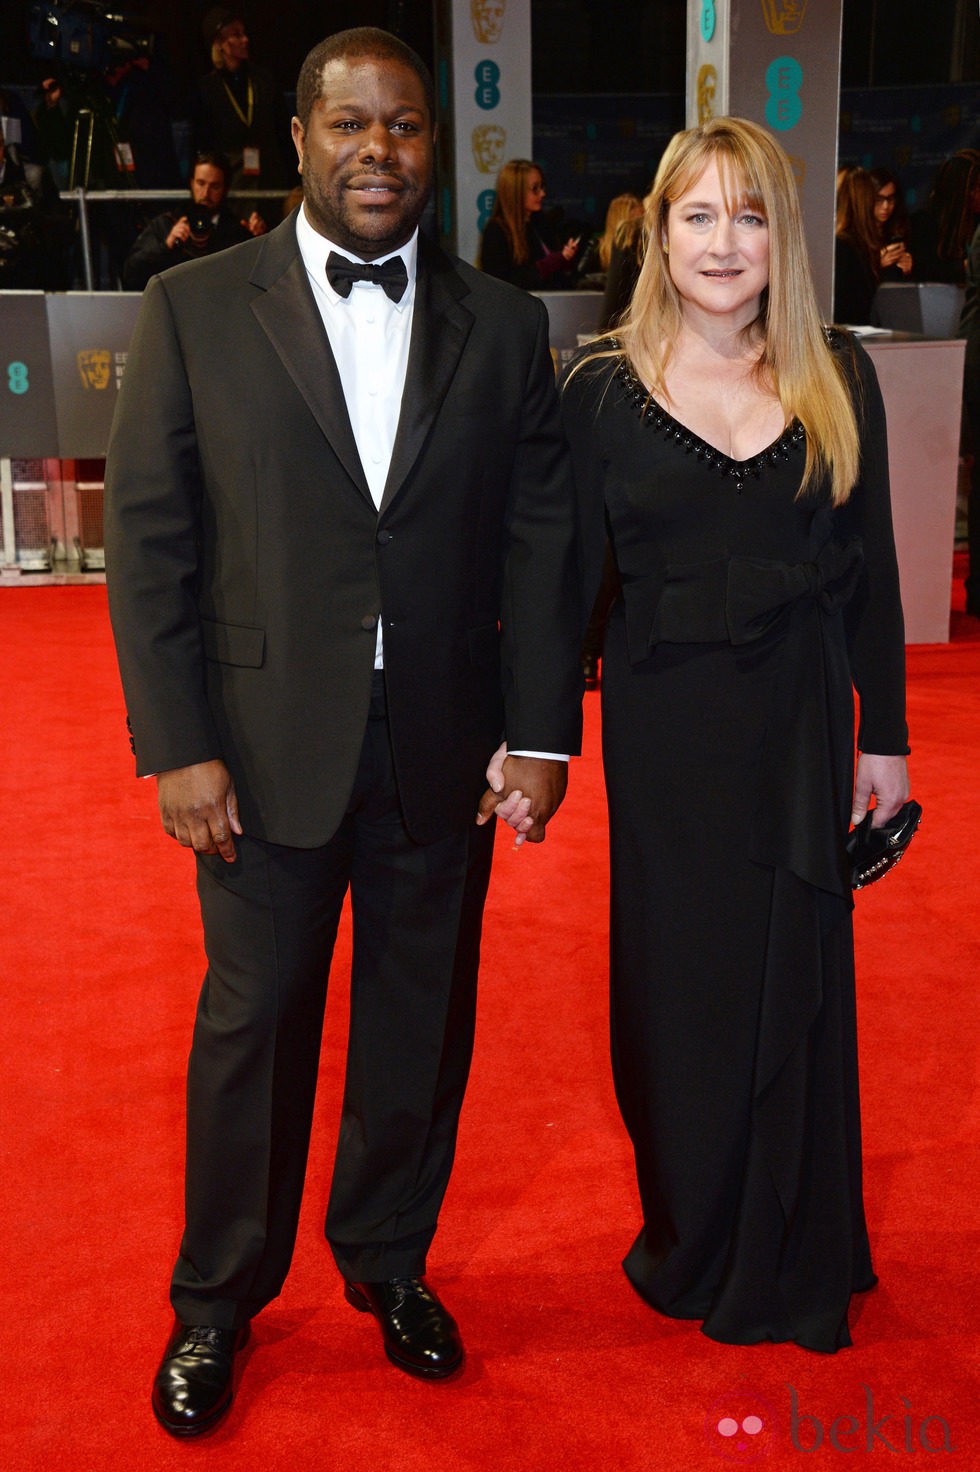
(342, 563)
(240, 112)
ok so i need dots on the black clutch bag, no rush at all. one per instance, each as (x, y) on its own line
(873, 851)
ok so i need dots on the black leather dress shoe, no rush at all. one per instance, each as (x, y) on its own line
(420, 1336)
(195, 1382)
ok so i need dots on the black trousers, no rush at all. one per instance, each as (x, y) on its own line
(270, 922)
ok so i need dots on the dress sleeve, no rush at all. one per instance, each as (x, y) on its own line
(873, 618)
(583, 393)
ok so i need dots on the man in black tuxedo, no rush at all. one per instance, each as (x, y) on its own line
(341, 564)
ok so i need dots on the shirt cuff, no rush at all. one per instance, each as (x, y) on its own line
(543, 756)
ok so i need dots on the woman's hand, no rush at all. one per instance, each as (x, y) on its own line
(885, 777)
(896, 255)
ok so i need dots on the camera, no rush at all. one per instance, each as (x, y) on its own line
(199, 219)
(84, 35)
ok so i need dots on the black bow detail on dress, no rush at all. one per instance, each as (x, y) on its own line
(733, 599)
(391, 276)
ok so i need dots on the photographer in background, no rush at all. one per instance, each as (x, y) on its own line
(186, 235)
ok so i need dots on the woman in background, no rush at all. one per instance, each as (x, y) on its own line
(892, 220)
(857, 251)
(941, 233)
(594, 260)
(625, 260)
(736, 452)
(514, 246)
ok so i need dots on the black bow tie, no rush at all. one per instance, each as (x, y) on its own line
(392, 276)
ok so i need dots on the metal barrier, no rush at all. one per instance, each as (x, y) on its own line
(82, 198)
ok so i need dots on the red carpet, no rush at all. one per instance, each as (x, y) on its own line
(567, 1369)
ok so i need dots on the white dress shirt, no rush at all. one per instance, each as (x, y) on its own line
(369, 336)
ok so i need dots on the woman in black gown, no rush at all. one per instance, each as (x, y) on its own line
(736, 453)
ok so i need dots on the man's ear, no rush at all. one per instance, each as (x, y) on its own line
(299, 140)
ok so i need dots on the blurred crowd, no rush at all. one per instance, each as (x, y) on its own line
(120, 125)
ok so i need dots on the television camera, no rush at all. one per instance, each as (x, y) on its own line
(84, 35)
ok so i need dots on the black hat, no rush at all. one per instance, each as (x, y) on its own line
(216, 19)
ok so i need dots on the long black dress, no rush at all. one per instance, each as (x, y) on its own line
(728, 747)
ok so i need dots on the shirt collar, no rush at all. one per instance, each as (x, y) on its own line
(314, 248)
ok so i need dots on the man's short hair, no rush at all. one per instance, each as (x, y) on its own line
(214, 161)
(360, 41)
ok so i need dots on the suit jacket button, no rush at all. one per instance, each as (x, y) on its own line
(369, 621)
(384, 538)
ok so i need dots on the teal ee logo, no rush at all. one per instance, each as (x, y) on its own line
(487, 92)
(708, 18)
(17, 380)
(484, 205)
(784, 78)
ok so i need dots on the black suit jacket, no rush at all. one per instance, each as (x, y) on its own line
(247, 564)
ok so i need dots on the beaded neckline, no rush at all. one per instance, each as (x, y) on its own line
(650, 412)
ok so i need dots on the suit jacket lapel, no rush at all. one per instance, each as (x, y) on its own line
(440, 327)
(288, 314)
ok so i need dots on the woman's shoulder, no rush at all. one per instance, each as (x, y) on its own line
(592, 369)
(858, 370)
(849, 351)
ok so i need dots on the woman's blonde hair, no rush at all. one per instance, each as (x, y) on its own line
(508, 207)
(624, 207)
(796, 360)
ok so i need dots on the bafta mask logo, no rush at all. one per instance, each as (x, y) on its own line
(489, 142)
(488, 20)
(706, 84)
(784, 17)
(798, 165)
(93, 366)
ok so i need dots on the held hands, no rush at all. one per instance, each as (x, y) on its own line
(886, 777)
(524, 791)
(199, 808)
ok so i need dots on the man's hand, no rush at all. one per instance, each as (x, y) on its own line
(178, 233)
(199, 808)
(255, 225)
(885, 776)
(525, 791)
